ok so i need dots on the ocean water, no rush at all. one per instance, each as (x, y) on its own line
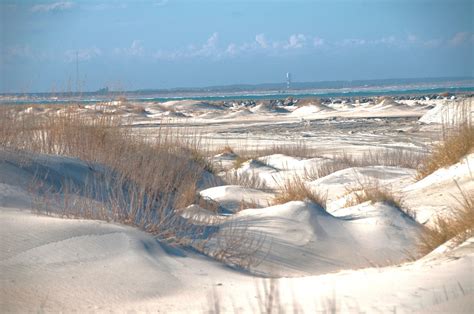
(325, 94)
(89, 98)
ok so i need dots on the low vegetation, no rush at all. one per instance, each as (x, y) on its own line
(374, 193)
(386, 157)
(236, 245)
(296, 190)
(136, 181)
(456, 142)
(457, 227)
(245, 179)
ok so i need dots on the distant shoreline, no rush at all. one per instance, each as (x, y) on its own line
(263, 95)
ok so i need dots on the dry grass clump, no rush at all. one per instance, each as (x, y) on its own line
(386, 157)
(240, 160)
(457, 227)
(236, 245)
(392, 157)
(374, 193)
(296, 190)
(340, 162)
(140, 183)
(457, 141)
(298, 149)
(226, 150)
(245, 179)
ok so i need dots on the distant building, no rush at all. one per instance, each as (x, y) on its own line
(288, 80)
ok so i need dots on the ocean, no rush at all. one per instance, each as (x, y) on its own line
(87, 98)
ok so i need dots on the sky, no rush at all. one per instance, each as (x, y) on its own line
(60, 46)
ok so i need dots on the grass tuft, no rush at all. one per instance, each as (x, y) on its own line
(296, 190)
(142, 183)
(458, 227)
(374, 193)
(457, 141)
(456, 144)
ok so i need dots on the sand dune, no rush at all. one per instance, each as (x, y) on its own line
(354, 258)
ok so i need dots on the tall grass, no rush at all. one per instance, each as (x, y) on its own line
(295, 189)
(299, 149)
(143, 183)
(457, 140)
(245, 179)
(373, 192)
(458, 227)
(386, 157)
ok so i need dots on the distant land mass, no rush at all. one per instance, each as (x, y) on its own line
(259, 91)
(316, 85)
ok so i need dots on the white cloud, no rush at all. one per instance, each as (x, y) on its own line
(352, 42)
(160, 3)
(232, 49)
(83, 54)
(295, 41)
(261, 40)
(391, 40)
(318, 42)
(260, 44)
(432, 43)
(208, 49)
(412, 38)
(459, 38)
(22, 51)
(19, 51)
(136, 49)
(103, 6)
(212, 41)
(55, 6)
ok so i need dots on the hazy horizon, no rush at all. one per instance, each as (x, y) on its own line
(132, 45)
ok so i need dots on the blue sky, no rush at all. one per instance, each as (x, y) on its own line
(129, 45)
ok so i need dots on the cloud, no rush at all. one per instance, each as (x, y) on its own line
(208, 49)
(318, 42)
(260, 44)
(295, 41)
(261, 40)
(352, 42)
(136, 49)
(432, 43)
(83, 54)
(412, 38)
(51, 7)
(295, 44)
(459, 38)
(103, 6)
(390, 40)
(160, 3)
(23, 51)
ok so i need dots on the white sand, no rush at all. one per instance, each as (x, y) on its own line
(345, 259)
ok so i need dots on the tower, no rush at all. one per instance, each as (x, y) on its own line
(77, 72)
(288, 80)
